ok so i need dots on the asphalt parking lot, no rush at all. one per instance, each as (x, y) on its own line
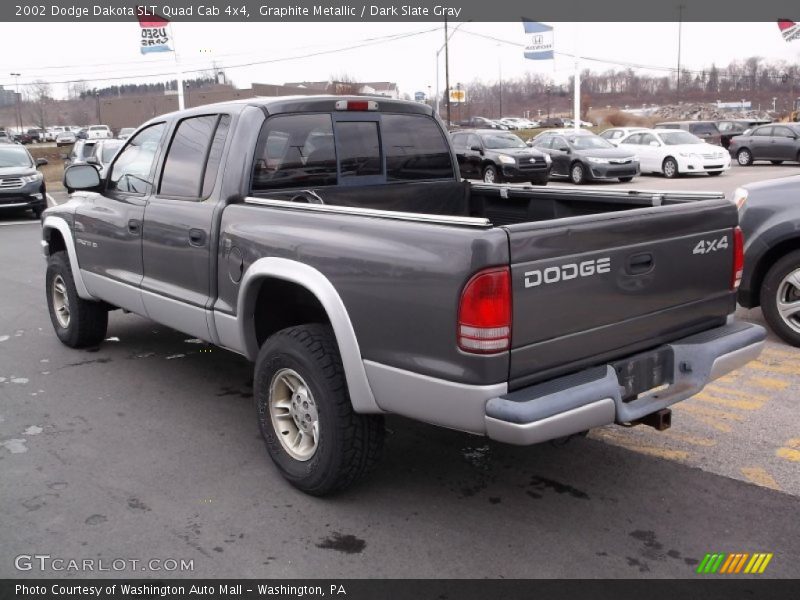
(147, 447)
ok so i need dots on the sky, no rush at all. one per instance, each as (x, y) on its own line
(98, 52)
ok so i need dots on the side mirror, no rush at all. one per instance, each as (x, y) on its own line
(476, 148)
(564, 149)
(654, 144)
(529, 143)
(81, 178)
(40, 162)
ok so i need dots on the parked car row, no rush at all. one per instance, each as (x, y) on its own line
(22, 185)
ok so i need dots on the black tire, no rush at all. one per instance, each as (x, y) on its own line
(625, 179)
(86, 321)
(539, 181)
(744, 157)
(349, 444)
(670, 168)
(714, 173)
(577, 173)
(773, 290)
(491, 175)
(776, 162)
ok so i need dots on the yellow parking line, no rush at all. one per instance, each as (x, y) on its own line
(780, 353)
(709, 412)
(725, 390)
(759, 476)
(625, 442)
(723, 427)
(761, 366)
(690, 439)
(792, 443)
(788, 454)
(740, 404)
(770, 383)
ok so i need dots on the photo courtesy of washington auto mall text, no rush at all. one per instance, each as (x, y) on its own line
(399, 300)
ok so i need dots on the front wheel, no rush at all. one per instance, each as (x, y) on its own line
(714, 173)
(776, 162)
(78, 323)
(539, 180)
(490, 175)
(780, 298)
(670, 168)
(313, 435)
(577, 173)
(625, 179)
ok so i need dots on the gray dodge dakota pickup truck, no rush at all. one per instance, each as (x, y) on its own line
(332, 241)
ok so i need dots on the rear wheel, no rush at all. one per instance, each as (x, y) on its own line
(744, 157)
(577, 173)
(780, 298)
(313, 435)
(490, 175)
(78, 323)
(670, 168)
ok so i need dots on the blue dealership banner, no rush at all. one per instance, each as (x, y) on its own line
(539, 43)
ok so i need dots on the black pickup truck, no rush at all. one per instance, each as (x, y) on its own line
(332, 241)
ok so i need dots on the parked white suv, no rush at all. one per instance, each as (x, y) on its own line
(98, 132)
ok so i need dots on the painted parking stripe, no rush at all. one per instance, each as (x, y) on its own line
(28, 222)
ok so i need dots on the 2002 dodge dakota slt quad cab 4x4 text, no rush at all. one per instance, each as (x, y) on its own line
(332, 241)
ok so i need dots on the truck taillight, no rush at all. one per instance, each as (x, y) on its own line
(484, 313)
(738, 258)
(356, 105)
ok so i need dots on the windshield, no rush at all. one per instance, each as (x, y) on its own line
(676, 138)
(588, 142)
(109, 150)
(502, 140)
(15, 157)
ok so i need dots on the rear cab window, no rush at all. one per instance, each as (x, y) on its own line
(306, 150)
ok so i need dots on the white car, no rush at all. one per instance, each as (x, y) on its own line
(616, 134)
(125, 133)
(98, 132)
(65, 138)
(675, 152)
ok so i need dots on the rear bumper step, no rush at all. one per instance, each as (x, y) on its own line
(594, 397)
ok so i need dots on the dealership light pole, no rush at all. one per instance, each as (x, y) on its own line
(97, 98)
(16, 77)
(500, 79)
(680, 31)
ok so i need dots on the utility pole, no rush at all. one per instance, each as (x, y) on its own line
(97, 98)
(500, 80)
(680, 30)
(447, 70)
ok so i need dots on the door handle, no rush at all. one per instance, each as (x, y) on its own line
(197, 237)
(135, 226)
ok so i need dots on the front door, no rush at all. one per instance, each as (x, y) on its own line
(108, 228)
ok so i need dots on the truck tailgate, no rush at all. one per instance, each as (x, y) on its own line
(589, 289)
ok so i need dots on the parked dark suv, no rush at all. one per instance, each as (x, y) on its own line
(775, 143)
(21, 184)
(705, 130)
(497, 156)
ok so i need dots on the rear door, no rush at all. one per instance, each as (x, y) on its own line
(176, 242)
(108, 228)
(588, 289)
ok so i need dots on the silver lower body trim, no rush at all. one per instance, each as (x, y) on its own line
(437, 401)
(567, 423)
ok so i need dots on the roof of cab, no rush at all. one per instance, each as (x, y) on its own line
(289, 104)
